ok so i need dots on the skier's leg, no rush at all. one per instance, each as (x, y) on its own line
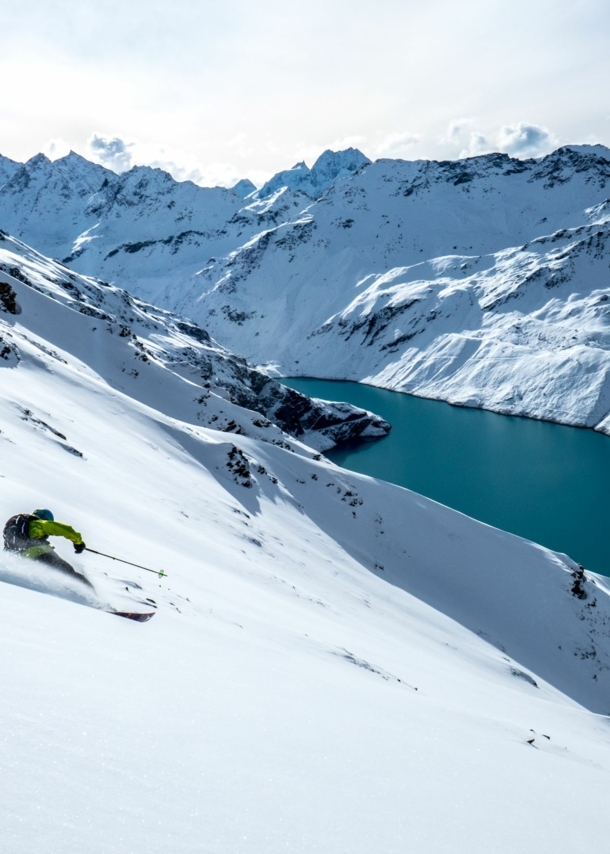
(54, 560)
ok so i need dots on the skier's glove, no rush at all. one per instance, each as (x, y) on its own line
(79, 548)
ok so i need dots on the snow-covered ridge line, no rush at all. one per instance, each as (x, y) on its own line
(325, 287)
(162, 359)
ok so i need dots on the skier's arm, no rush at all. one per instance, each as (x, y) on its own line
(42, 528)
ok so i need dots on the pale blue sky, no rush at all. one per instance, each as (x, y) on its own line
(219, 91)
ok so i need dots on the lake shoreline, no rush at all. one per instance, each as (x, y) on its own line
(544, 481)
(505, 414)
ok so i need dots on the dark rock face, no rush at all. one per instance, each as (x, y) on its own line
(153, 336)
(8, 299)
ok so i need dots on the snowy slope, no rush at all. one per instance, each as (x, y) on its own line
(335, 662)
(161, 359)
(525, 331)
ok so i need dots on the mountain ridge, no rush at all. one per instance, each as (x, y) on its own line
(272, 276)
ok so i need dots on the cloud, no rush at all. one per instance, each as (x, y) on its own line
(120, 155)
(460, 138)
(520, 139)
(239, 145)
(477, 144)
(525, 140)
(396, 144)
(113, 152)
(56, 148)
(456, 129)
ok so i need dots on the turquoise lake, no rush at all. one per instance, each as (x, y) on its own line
(545, 482)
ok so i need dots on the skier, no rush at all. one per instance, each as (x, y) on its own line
(27, 534)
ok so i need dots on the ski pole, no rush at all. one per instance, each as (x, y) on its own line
(159, 572)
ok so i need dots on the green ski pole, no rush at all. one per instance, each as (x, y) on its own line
(159, 572)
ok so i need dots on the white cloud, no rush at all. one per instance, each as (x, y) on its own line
(464, 139)
(56, 148)
(396, 144)
(120, 155)
(477, 144)
(525, 140)
(113, 152)
(455, 130)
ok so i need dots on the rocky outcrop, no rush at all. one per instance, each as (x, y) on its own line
(164, 360)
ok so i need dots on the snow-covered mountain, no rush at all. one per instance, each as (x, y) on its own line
(334, 660)
(482, 281)
(163, 360)
(101, 223)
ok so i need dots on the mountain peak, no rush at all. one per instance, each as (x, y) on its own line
(348, 158)
(596, 149)
(74, 157)
(244, 187)
(38, 161)
(329, 166)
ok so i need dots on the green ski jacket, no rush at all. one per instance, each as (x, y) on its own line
(40, 528)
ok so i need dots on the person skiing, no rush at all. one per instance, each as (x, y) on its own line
(27, 534)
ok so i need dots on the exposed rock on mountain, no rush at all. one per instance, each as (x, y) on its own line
(159, 358)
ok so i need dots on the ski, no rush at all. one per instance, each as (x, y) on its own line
(138, 616)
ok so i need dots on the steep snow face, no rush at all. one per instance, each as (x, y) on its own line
(328, 168)
(158, 358)
(46, 199)
(332, 657)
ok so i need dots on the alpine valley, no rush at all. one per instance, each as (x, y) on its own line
(336, 664)
(483, 282)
